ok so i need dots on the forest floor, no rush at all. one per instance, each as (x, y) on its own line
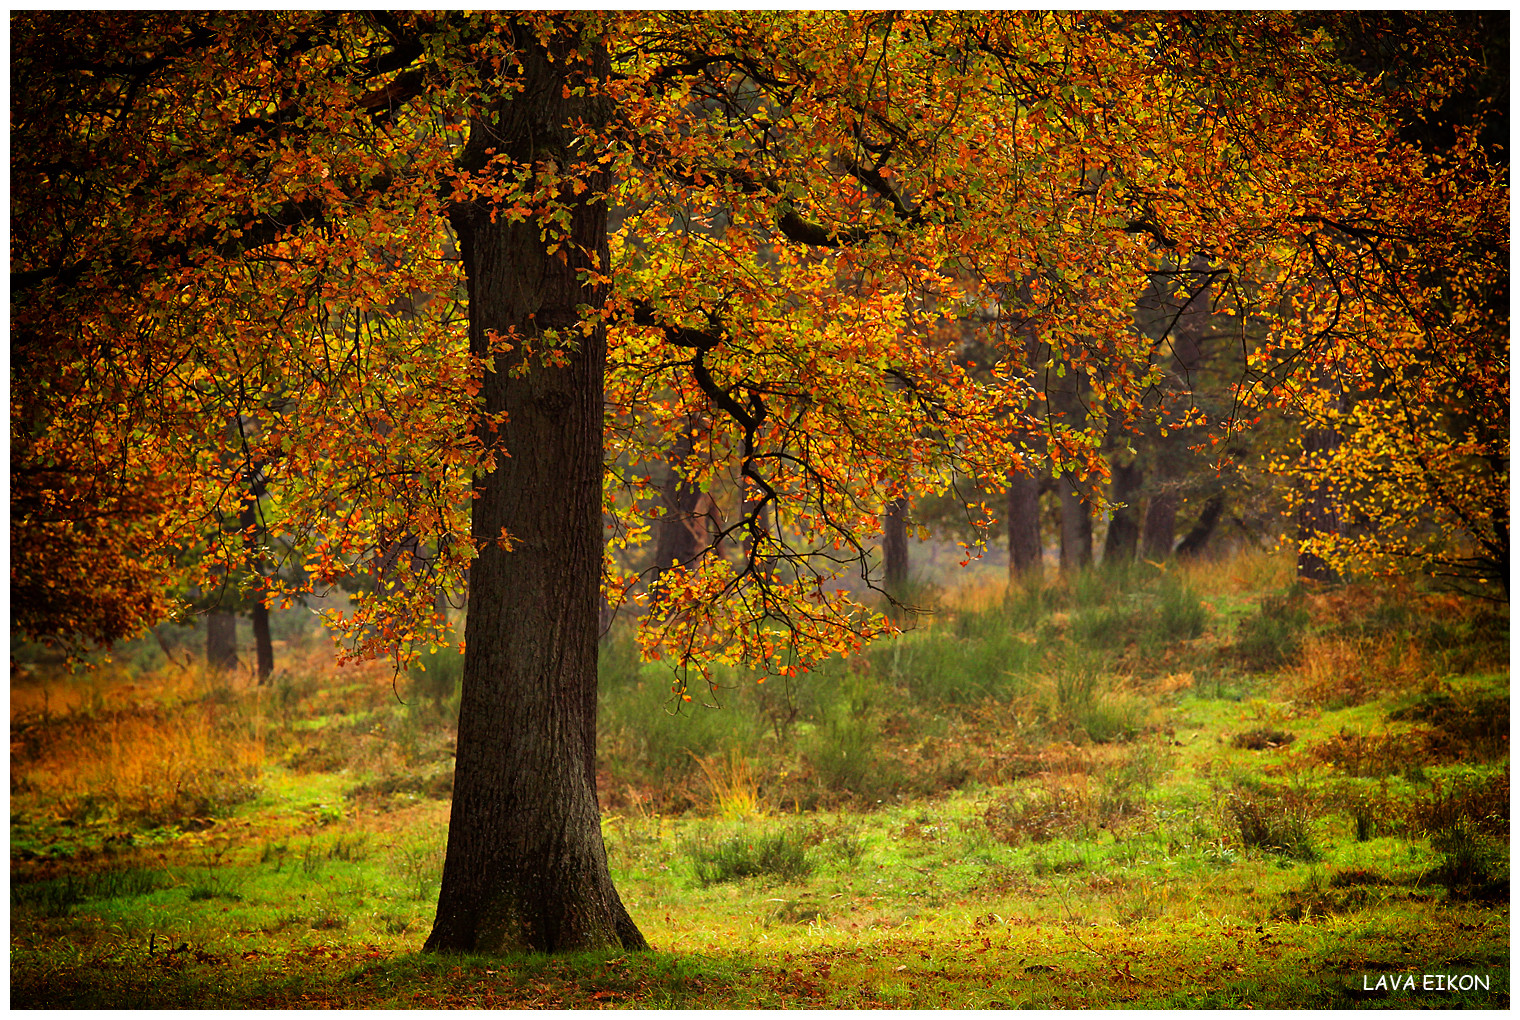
(1194, 787)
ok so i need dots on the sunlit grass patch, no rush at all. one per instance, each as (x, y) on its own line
(1246, 572)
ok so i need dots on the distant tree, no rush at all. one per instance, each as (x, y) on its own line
(221, 639)
(1122, 542)
(1026, 546)
(683, 533)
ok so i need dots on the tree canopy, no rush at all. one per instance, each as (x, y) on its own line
(308, 248)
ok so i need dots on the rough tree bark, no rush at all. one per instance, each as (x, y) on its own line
(525, 867)
(1025, 550)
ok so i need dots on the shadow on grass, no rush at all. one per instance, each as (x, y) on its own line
(989, 963)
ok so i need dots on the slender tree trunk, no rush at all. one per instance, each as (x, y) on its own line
(1185, 318)
(1026, 545)
(894, 549)
(221, 640)
(1065, 395)
(1316, 514)
(1025, 550)
(258, 613)
(1124, 529)
(894, 558)
(263, 643)
(525, 867)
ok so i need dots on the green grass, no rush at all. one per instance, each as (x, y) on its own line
(779, 856)
(1091, 793)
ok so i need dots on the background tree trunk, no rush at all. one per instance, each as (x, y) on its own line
(1316, 514)
(1160, 530)
(1197, 538)
(1026, 544)
(681, 534)
(1076, 529)
(894, 548)
(1317, 511)
(525, 867)
(1025, 549)
(221, 640)
(1124, 528)
(1065, 396)
(263, 642)
(258, 613)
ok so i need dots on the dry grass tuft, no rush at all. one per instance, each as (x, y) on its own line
(1369, 754)
(735, 792)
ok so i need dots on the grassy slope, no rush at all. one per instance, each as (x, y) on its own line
(1190, 789)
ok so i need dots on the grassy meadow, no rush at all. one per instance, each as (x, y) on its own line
(1193, 787)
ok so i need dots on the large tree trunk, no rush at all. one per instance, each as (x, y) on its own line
(525, 867)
